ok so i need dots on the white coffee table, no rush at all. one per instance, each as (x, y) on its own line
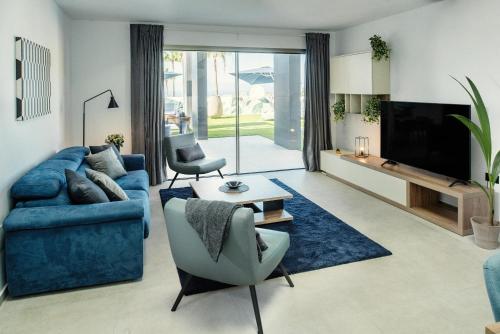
(265, 197)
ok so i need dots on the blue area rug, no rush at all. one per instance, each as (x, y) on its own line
(318, 239)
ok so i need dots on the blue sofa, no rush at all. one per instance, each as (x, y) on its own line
(51, 244)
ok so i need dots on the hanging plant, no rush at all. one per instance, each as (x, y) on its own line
(338, 111)
(371, 112)
(380, 48)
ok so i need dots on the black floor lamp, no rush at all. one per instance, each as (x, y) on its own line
(112, 104)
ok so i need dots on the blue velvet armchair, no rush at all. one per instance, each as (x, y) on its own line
(238, 262)
(491, 270)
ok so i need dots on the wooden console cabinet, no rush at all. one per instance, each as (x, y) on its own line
(418, 192)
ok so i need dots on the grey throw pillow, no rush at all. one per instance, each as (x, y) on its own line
(110, 187)
(106, 162)
(191, 153)
(83, 191)
(98, 149)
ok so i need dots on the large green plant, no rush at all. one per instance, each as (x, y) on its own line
(482, 133)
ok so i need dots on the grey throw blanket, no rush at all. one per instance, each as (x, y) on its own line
(212, 220)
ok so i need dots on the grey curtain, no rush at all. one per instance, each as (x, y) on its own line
(317, 132)
(148, 123)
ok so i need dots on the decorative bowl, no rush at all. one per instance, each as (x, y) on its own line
(233, 184)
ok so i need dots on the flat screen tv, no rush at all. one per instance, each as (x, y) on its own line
(423, 135)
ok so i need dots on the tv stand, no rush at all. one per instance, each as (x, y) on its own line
(465, 183)
(418, 192)
(389, 162)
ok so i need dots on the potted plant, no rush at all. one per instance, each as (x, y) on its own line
(485, 229)
(371, 111)
(338, 111)
(380, 48)
(116, 139)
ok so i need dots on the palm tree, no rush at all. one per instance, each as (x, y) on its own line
(173, 57)
(216, 56)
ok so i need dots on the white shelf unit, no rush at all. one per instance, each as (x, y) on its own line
(355, 78)
(381, 184)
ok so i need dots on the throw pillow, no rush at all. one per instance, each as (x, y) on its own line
(110, 187)
(106, 162)
(83, 191)
(191, 153)
(98, 149)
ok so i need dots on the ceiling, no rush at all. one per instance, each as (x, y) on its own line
(293, 14)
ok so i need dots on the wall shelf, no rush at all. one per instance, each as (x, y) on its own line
(355, 103)
(359, 74)
(355, 78)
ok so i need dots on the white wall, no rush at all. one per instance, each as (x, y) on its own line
(453, 37)
(100, 59)
(24, 144)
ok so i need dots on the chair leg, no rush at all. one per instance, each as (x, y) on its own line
(256, 309)
(285, 273)
(222, 176)
(173, 180)
(181, 294)
(197, 177)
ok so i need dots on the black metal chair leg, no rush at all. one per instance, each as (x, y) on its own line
(222, 176)
(173, 180)
(285, 273)
(197, 177)
(181, 294)
(256, 309)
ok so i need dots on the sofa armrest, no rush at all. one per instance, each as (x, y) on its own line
(72, 215)
(134, 162)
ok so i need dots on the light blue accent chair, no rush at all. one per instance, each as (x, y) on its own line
(492, 278)
(238, 262)
(197, 167)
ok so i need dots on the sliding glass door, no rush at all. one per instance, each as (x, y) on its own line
(246, 107)
(270, 113)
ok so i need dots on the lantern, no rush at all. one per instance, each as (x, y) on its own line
(362, 147)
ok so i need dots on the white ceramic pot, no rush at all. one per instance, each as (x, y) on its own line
(486, 236)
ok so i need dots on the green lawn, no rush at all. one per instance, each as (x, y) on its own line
(250, 125)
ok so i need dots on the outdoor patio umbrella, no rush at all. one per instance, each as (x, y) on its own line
(257, 76)
(170, 75)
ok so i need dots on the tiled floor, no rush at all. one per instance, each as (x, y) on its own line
(431, 284)
(257, 154)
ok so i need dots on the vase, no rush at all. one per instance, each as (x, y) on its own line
(485, 235)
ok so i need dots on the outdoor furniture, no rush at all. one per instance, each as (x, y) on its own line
(238, 262)
(263, 196)
(197, 167)
(182, 122)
